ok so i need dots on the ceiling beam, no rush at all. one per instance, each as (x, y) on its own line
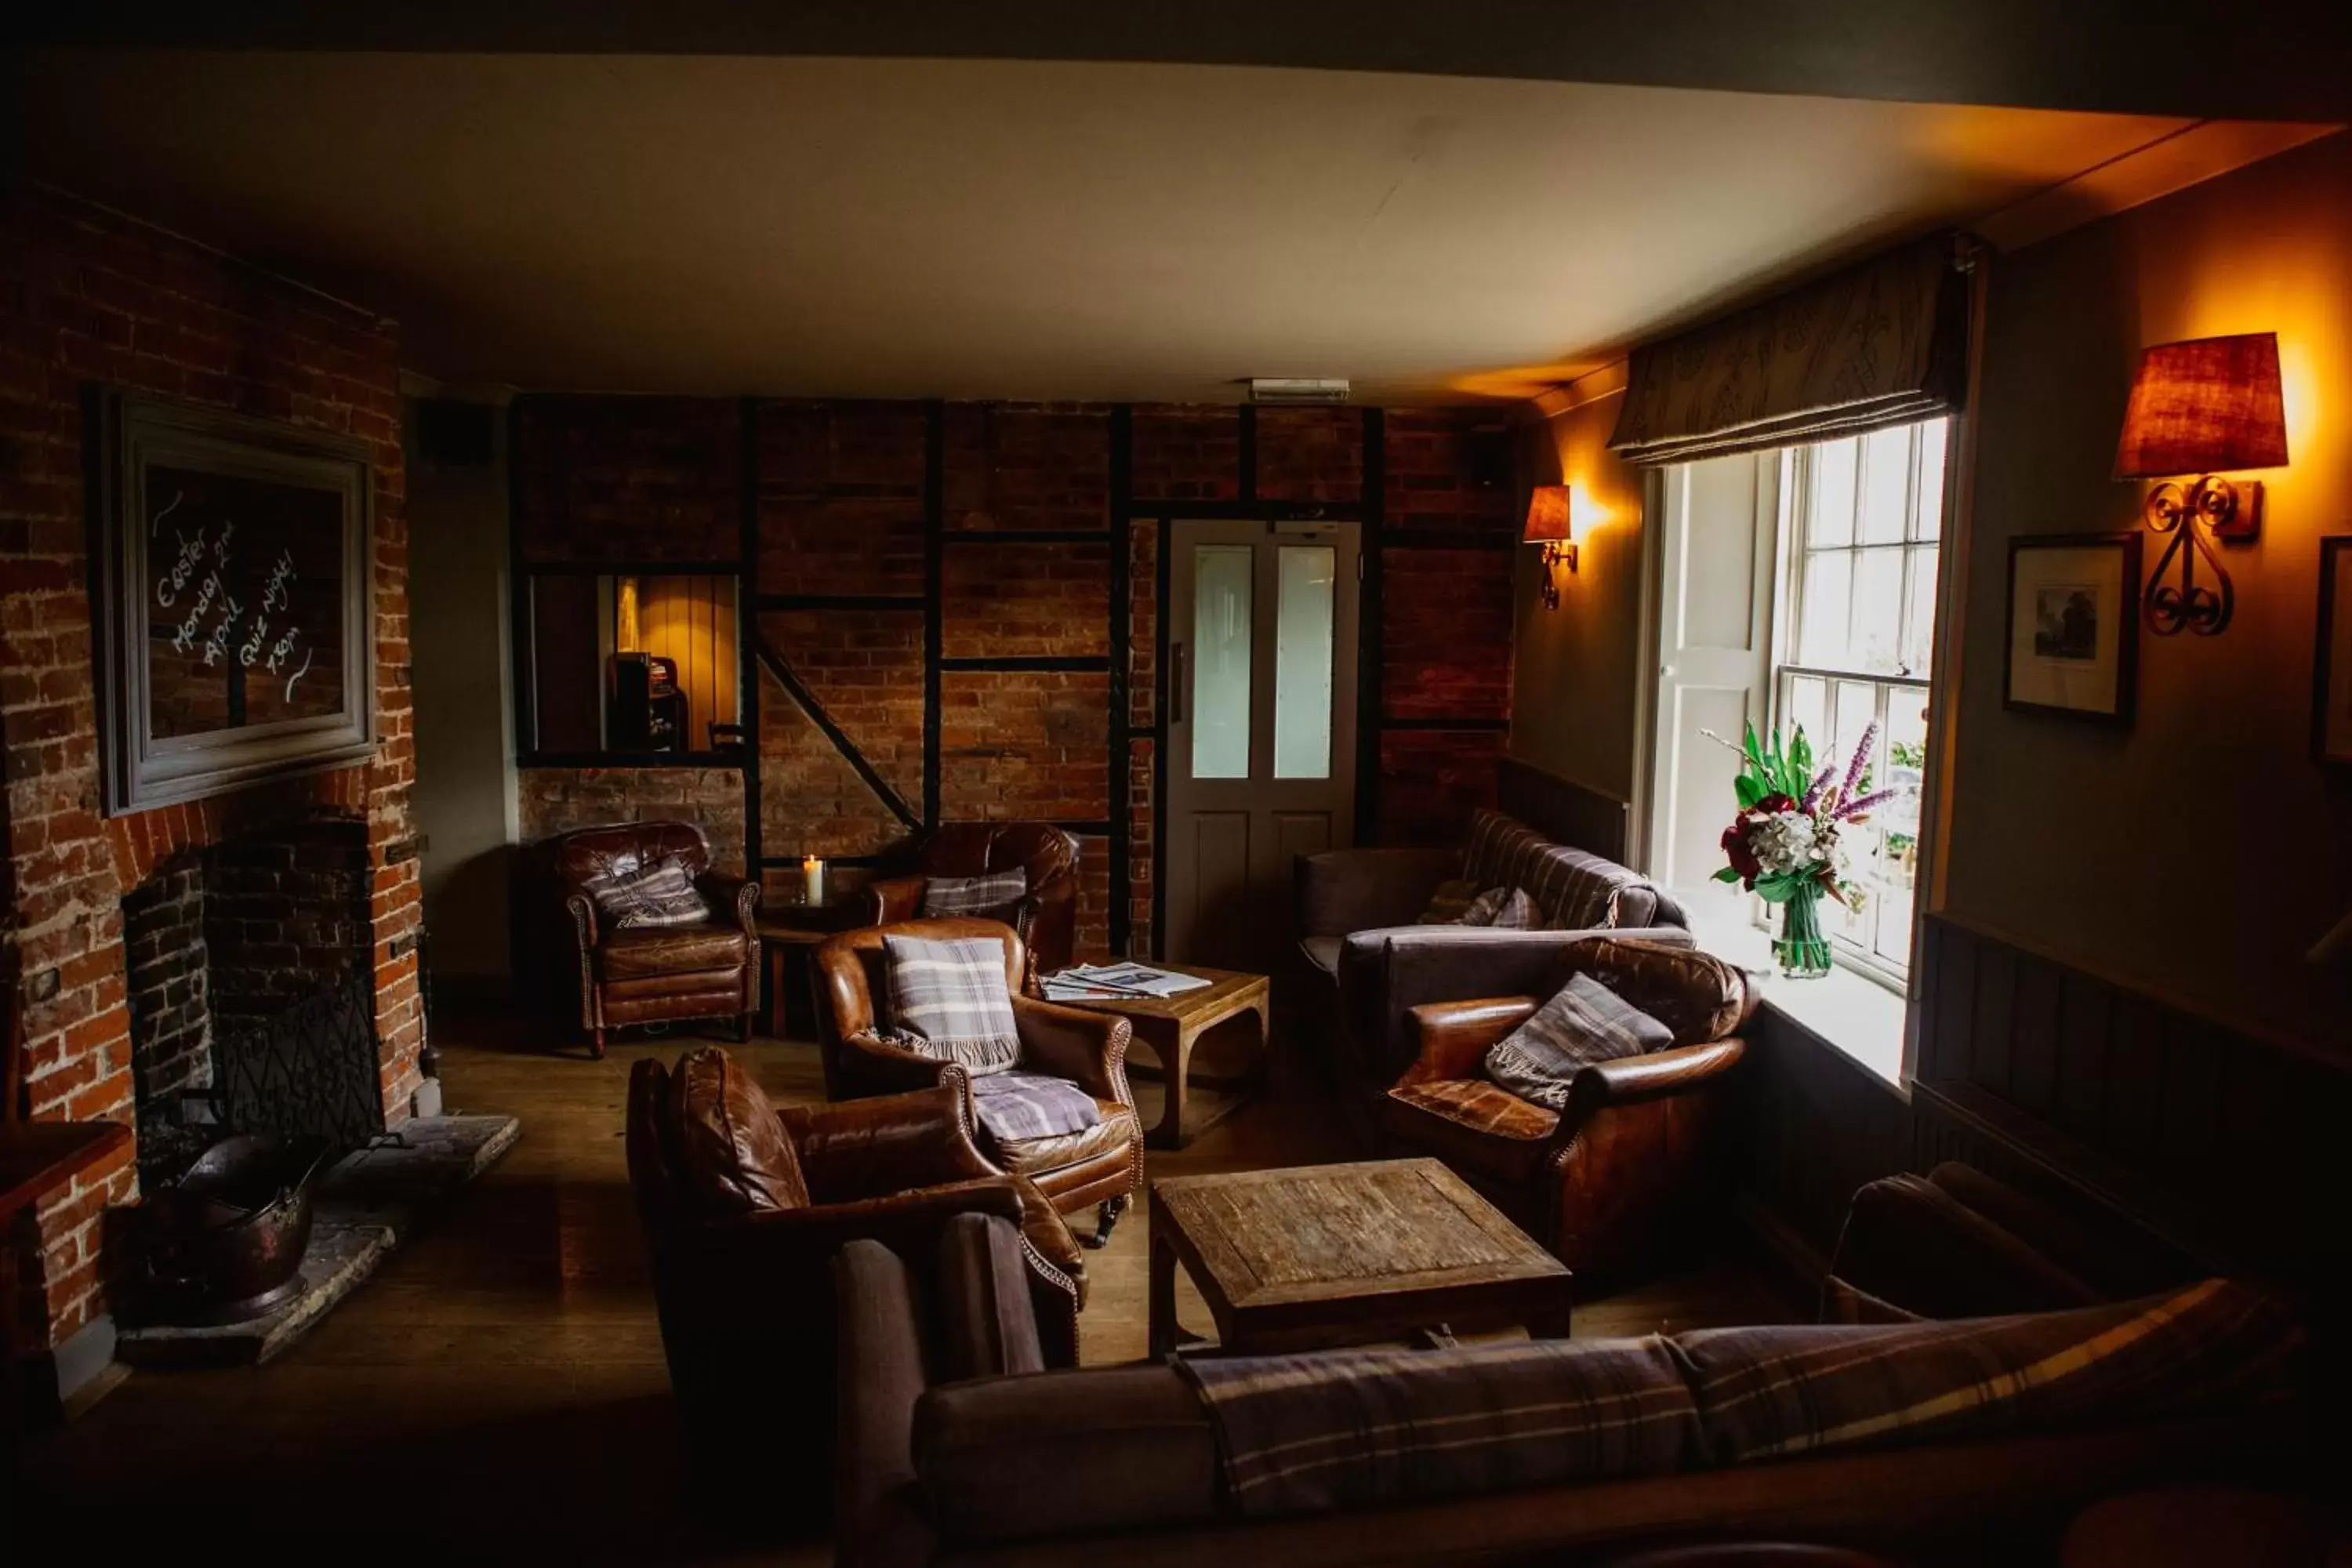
(2270, 60)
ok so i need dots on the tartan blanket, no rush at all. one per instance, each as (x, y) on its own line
(1574, 891)
(1766, 1392)
(1014, 1106)
(1306, 1434)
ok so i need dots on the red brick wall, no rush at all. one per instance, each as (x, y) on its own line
(841, 497)
(557, 800)
(629, 478)
(865, 669)
(1018, 465)
(1310, 454)
(89, 297)
(1185, 453)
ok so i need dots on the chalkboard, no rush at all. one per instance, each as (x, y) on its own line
(239, 613)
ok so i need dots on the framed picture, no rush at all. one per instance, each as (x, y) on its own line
(2073, 624)
(236, 622)
(2331, 680)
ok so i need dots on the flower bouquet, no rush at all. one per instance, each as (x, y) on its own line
(1786, 845)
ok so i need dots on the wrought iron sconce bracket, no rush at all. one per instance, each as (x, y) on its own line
(2190, 511)
(1556, 553)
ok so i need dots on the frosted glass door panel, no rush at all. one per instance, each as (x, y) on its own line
(1221, 660)
(1302, 671)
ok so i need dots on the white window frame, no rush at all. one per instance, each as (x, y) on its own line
(1796, 493)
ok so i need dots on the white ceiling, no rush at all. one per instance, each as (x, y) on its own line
(982, 228)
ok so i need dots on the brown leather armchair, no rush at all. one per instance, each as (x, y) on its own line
(1618, 1173)
(646, 974)
(1101, 1165)
(743, 1208)
(1046, 917)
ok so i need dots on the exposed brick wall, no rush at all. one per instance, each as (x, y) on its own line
(88, 297)
(629, 478)
(1310, 454)
(1183, 452)
(866, 670)
(1431, 781)
(1445, 636)
(1447, 469)
(1023, 466)
(841, 497)
(1016, 745)
(557, 800)
(1006, 599)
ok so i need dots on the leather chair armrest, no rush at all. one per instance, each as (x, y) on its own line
(582, 910)
(894, 899)
(1344, 890)
(874, 1065)
(1087, 1048)
(1629, 1080)
(901, 1221)
(1454, 1037)
(738, 896)
(870, 1148)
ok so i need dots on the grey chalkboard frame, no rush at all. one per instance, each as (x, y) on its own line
(137, 433)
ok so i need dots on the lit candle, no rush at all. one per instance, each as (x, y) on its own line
(812, 881)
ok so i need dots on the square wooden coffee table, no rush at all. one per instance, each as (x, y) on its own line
(1318, 1256)
(1172, 1026)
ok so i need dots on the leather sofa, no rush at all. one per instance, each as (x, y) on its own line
(1121, 1464)
(648, 975)
(1631, 1169)
(1099, 1167)
(1047, 916)
(1367, 962)
(743, 1207)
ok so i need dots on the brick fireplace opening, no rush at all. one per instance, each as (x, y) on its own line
(250, 990)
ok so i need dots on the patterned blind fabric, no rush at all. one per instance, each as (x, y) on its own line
(1882, 343)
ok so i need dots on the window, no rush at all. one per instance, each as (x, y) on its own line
(1855, 624)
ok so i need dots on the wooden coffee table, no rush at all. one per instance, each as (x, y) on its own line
(1172, 1026)
(1319, 1256)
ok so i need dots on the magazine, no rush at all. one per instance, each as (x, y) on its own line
(1102, 982)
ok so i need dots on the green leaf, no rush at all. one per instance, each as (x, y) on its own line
(1749, 789)
(1753, 752)
(1728, 874)
(1779, 886)
(1801, 763)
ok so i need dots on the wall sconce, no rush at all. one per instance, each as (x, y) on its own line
(2196, 408)
(1549, 525)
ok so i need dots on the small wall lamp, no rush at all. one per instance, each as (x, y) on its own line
(1549, 525)
(2199, 407)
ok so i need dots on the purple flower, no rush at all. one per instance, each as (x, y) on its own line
(1855, 769)
(1821, 781)
(1853, 810)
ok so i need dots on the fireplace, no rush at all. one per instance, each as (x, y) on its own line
(251, 995)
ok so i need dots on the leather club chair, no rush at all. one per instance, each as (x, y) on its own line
(1102, 1165)
(1631, 1163)
(1046, 917)
(744, 1207)
(648, 975)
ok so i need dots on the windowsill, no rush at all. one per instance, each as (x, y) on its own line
(1859, 1017)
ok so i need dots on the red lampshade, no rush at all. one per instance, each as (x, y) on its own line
(1547, 515)
(2207, 406)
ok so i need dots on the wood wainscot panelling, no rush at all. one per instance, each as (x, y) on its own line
(2223, 1138)
(1814, 1125)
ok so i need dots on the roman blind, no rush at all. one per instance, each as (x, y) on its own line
(1882, 342)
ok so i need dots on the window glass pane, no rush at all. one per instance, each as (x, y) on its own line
(1857, 705)
(1302, 670)
(1830, 514)
(1919, 619)
(1221, 660)
(1895, 869)
(1807, 705)
(1932, 437)
(1829, 593)
(1885, 484)
(1877, 611)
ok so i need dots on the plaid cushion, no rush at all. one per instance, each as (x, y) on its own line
(1014, 1106)
(1584, 1024)
(949, 999)
(1381, 1428)
(1576, 891)
(1767, 1392)
(990, 895)
(1449, 903)
(656, 895)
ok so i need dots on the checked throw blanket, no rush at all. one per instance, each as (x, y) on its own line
(948, 1000)
(1305, 1434)
(1015, 1106)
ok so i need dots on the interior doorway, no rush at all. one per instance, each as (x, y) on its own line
(1262, 727)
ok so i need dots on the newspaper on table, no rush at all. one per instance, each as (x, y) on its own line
(1100, 981)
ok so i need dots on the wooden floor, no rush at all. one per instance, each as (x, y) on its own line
(497, 1389)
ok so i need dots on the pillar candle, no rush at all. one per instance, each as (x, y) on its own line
(812, 881)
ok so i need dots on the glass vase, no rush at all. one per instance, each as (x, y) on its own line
(1801, 950)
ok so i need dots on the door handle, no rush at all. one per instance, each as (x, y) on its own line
(1175, 683)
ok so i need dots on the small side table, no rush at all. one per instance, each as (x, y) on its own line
(789, 935)
(1172, 1026)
